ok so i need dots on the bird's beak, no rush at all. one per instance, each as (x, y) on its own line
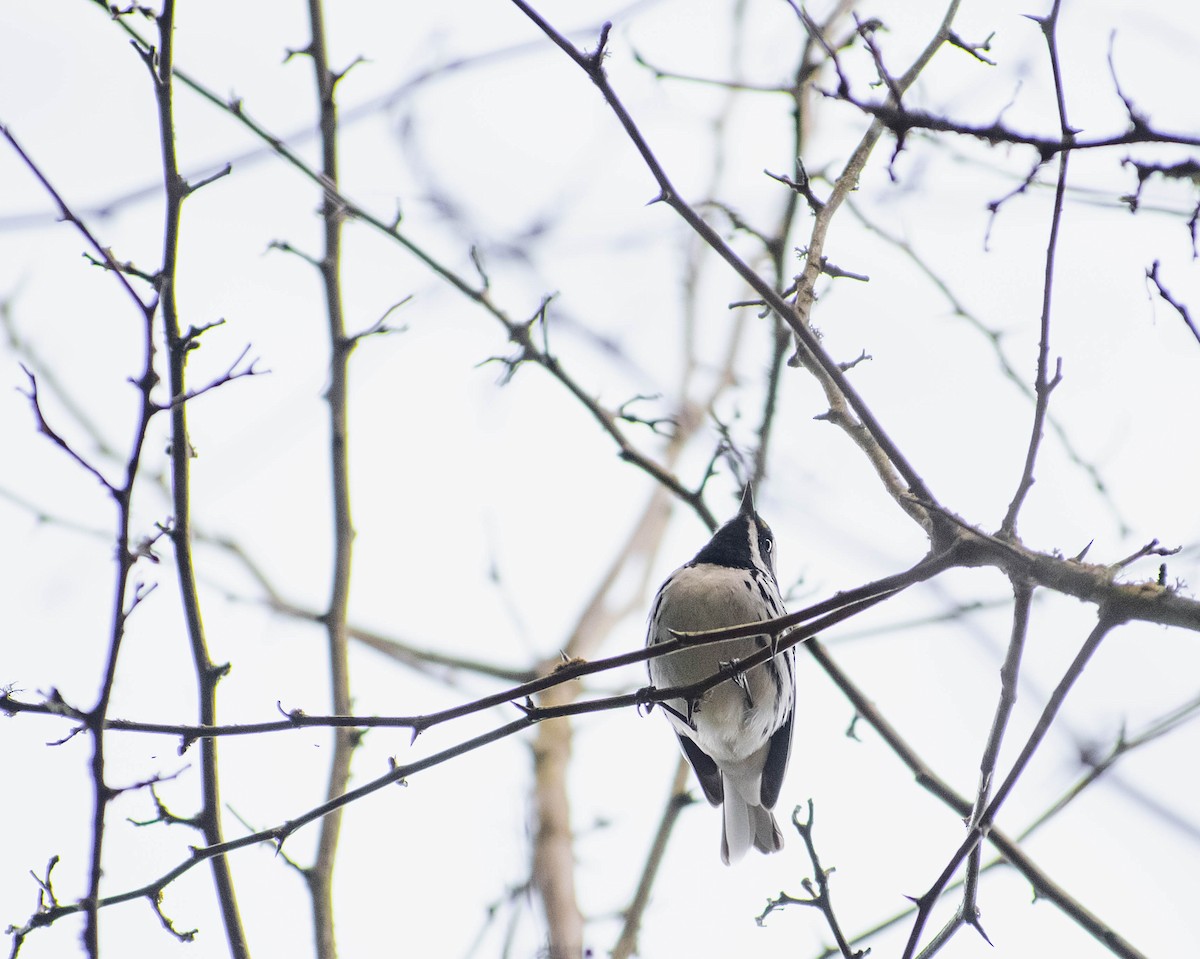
(747, 501)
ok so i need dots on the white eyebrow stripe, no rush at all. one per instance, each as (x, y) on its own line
(752, 536)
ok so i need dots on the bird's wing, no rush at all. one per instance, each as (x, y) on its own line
(706, 770)
(777, 761)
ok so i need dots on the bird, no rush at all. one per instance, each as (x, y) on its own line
(737, 735)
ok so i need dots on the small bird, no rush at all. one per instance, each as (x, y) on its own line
(737, 736)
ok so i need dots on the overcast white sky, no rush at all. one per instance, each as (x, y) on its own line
(485, 514)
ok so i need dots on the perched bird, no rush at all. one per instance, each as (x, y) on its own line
(737, 735)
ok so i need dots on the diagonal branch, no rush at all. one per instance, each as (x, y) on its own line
(887, 456)
(64, 211)
(677, 800)
(1022, 598)
(982, 824)
(1045, 887)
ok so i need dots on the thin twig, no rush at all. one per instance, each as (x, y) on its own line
(319, 875)
(64, 212)
(1044, 383)
(678, 799)
(886, 455)
(795, 628)
(821, 899)
(1162, 726)
(994, 338)
(179, 345)
(124, 599)
(983, 823)
(519, 332)
(1185, 315)
(1045, 887)
(1009, 673)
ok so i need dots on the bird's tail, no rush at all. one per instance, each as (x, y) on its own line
(746, 825)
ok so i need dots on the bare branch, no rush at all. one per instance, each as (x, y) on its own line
(1044, 383)
(885, 454)
(50, 433)
(819, 899)
(1045, 887)
(179, 345)
(1152, 276)
(982, 824)
(678, 799)
(103, 252)
(968, 911)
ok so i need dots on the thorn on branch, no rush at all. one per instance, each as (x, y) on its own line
(253, 829)
(974, 923)
(190, 188)
(974, 49)
(566, 662)
(281, 835)
(297, 52)
(339, 74)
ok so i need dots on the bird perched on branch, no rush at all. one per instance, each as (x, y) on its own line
(737, 735)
